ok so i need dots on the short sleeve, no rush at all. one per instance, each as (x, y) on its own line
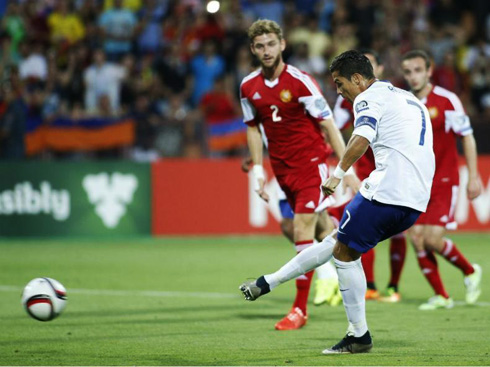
(367, 113)
(458, 122)
(310, 96)
(248, 110)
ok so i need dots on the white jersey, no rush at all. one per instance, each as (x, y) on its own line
(399, 130)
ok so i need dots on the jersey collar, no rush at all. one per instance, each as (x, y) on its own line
(272, 83)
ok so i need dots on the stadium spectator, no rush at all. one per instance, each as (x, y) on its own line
(318, 41)
(173, 71)
(179, 133)
(303, 60)
(14, 25)
(147, 123)
(268, 9)
(12, 122)
(118, 27)
(8, 56)
(70, 81)
(33, 65)
(137, 28)
(150, 35)
(66, 27)
(36, 22)
(449, 120)
(103, 78)
(226, 135)
(205, 68)
(447, 76)
(133, 5)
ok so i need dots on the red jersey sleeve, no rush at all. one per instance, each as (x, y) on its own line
(248, 110)
(308, 92)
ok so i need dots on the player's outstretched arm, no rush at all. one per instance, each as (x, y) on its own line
(473, 190)
(334, 137)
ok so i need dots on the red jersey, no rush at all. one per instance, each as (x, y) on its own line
(449, 120)
(343, 118)
(289, 109)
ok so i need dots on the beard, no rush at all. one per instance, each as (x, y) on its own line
(274, 65)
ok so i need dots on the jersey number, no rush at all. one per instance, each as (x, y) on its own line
(422, 133)
(275, 116)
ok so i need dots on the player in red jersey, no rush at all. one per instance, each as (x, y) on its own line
(449, 121)
(292, 110)
(344, 117)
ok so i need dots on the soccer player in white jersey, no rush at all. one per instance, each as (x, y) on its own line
(397, 126)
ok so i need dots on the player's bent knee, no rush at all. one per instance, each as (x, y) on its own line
(344, 253)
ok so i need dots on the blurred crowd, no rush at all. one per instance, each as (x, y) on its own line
(175, 66)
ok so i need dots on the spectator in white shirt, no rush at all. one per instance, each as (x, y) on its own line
(34, 65)
(103, 79)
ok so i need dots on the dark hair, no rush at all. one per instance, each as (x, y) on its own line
(352, 62)
(370, 51)
(418, 53)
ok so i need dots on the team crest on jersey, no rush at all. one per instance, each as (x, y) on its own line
(361, 106)
(286, 95)
(433, 112)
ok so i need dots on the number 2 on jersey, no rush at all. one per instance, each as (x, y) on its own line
(422, 133)
(275, 111)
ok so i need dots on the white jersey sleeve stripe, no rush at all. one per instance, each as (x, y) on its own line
(250, 76)
(453, 98)
(305, 79)
(247, 109)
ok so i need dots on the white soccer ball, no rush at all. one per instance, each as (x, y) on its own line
(44, 298)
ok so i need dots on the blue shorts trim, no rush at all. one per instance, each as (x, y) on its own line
(366, 223)
(286, 210)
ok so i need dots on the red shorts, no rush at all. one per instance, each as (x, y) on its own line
(440, 211)
(303, 189)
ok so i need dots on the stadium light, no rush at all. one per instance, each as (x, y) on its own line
(213, 6)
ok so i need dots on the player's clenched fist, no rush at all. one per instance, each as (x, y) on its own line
(330, 185)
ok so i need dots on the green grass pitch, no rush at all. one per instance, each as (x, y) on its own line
(175, 301)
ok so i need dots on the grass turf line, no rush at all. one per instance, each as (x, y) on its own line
(131, 328)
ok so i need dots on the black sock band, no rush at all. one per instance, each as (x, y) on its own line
(263, 285)
(371, 285)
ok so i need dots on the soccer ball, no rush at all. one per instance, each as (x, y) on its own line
(44, 298)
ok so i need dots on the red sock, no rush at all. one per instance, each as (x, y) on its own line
(367, 260)
(398, 250)
(303, 282)
(428, 265)
(451, 253)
